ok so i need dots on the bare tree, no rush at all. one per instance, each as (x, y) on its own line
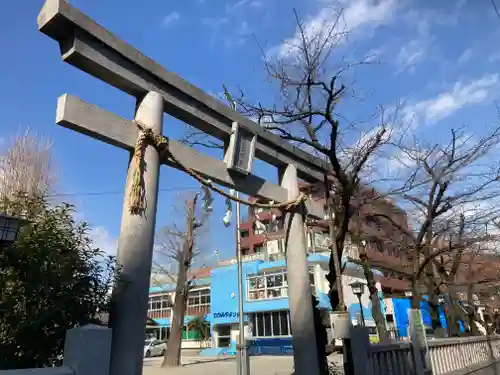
(27, 167)
(470, 272)
(176, 250)
(374, 235)
(311, 86)
(442, 180)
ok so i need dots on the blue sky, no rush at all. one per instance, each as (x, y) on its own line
(441, 57)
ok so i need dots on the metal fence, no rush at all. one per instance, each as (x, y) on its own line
(392, 359)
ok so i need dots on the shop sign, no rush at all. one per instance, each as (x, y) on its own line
(225, 314)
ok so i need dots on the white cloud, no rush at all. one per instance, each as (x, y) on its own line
(411, 54)
(424, 21)
(243, 3)
(462, 94)
(214, 23)
(402, 160)
(465, 56)
(103, 240)
(244, 29)
(170, 18)
(356, 15)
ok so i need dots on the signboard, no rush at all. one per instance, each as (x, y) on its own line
(241, 150)
(225, 314)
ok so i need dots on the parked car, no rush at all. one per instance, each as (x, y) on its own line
(154, 348)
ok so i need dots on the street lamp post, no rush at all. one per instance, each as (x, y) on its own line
(357, 289)
(242, 350)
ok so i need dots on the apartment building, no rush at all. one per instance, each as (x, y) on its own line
(262, 236)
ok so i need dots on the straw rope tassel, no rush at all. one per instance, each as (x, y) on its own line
(161, 144)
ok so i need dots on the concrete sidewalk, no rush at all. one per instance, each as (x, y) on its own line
(261, 365)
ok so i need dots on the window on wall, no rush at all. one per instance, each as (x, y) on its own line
(270, 324)
(198, 302)
(161, 302)
(224, 336)
(198, 298)
(244, 233)
(258, 249)
(271, 285)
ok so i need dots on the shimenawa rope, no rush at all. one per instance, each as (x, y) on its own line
(161, 144)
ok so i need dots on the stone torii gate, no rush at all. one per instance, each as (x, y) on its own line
(91, 48)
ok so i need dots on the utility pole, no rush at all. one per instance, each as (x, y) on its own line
(173, 353)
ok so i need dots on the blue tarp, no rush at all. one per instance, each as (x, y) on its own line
(401, 306)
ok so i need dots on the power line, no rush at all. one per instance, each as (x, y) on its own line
(101, 193)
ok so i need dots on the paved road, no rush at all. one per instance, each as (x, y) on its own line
(261, 365)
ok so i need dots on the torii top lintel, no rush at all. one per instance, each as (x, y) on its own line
(93, 49)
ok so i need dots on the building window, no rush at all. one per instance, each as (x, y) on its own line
(281, 245)
(270, 324)
(224, 336)
(199, 298)
(244, 233)
(159, 303)
(198, 302)
(271, 285)
(259, 249)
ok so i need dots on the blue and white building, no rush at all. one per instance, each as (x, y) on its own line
(266, 304)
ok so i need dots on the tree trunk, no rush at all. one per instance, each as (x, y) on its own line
(173, 354)
(334, 276)
(378, 317)
(415, 293)
(451, 315)
(471, 312)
